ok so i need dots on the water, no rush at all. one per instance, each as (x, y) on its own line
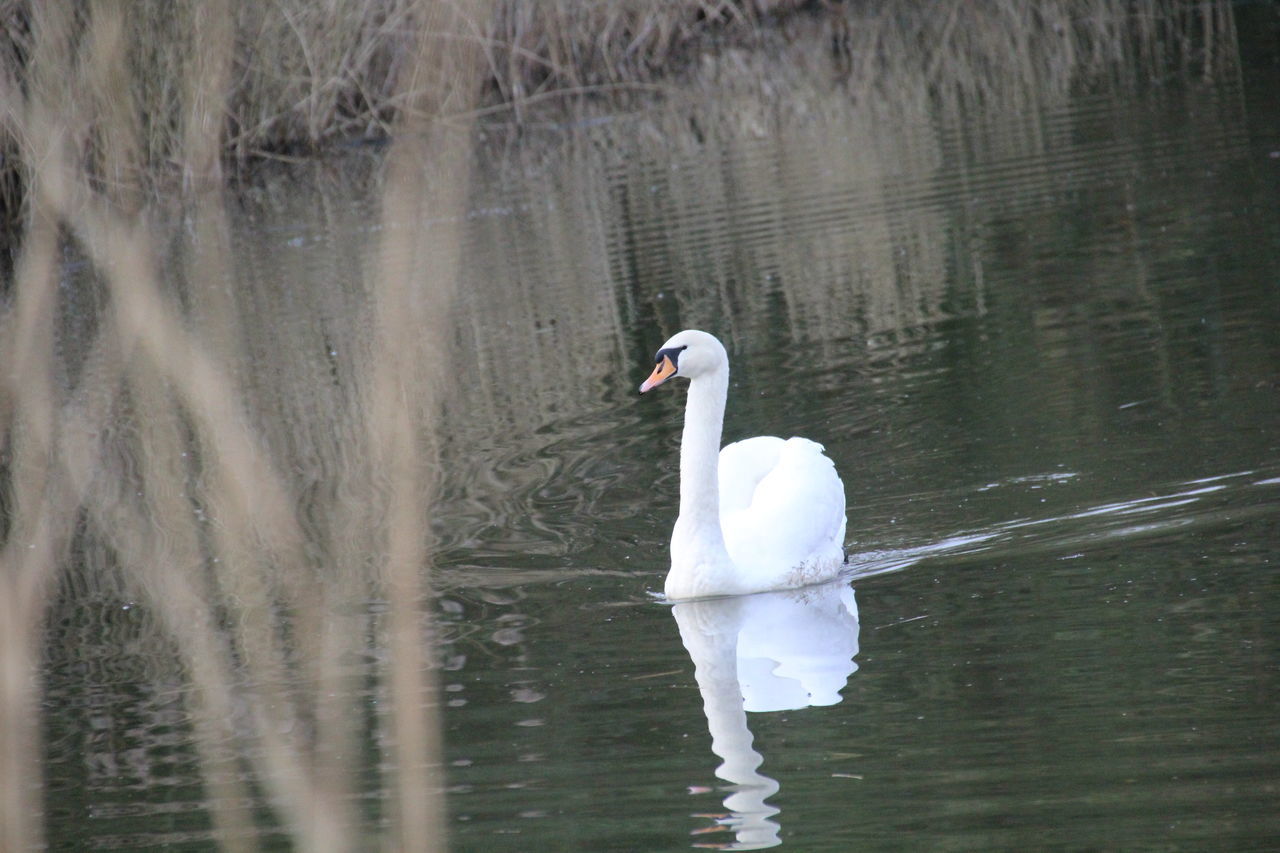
(1041, 348)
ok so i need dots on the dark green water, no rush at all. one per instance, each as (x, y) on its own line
(1043, 349)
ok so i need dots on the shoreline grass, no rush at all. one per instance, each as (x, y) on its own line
(206, 86)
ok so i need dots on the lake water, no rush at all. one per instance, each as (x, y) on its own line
(1041, 346)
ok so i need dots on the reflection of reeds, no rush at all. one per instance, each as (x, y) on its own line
(821, 168)
(148, 435)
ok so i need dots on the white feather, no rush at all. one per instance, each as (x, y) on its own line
(781, 504)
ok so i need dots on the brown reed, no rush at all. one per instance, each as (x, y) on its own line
(227, 81)
(239, 599)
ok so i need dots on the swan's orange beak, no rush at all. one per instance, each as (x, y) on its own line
(664, 371)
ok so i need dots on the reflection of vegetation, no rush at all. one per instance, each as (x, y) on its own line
(239, 438)
(790, 207)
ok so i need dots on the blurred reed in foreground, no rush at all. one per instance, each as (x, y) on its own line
(143, 433)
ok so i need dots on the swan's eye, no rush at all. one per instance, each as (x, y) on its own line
(673, 353)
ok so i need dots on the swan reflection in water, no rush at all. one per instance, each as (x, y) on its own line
(772, 651)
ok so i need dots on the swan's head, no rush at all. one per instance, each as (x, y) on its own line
(690, 354)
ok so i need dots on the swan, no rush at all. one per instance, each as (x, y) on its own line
(763, 513)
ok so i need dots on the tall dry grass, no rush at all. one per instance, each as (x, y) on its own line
(206, 80)
(291, 77)
(202, 513)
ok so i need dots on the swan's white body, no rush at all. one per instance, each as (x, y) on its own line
(761, 514)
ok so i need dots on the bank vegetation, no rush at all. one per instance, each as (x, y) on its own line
(194, 84)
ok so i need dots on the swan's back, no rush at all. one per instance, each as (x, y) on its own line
(782, 510)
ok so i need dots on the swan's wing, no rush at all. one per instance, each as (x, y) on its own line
(742, 466)
(795, 514)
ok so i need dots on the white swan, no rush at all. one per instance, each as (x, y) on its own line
(761, 514)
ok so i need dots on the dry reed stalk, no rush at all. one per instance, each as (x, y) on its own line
(167, 569)
(255, 536)
(293, 75)
(208, 80)
(37, 527)
(189, 383)
(415, 278)
(33, 540)
(255, 533)
(315, 804)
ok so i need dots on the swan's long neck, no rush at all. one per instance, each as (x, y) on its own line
(700, 456)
